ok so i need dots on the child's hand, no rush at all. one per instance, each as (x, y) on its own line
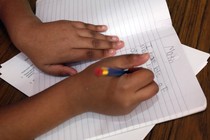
(51, 45)
(112, 95)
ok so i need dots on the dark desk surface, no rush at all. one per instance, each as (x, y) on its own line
(191, 19)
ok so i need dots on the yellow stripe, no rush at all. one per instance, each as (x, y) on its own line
(105, 72)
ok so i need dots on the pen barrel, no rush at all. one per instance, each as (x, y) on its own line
(116, 72)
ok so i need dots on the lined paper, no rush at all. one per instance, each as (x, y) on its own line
(145, 26)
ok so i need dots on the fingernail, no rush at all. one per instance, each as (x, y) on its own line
(119, 45)
(145, 55)
(114, 38)
(103, 27)
(111, 52)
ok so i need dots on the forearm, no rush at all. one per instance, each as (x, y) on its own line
(17, 15)
(38, 114)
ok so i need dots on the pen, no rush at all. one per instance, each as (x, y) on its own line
(105, 71)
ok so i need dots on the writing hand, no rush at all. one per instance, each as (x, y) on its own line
(113, 95)
(83, 92)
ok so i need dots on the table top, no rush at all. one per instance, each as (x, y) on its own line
(190, 19)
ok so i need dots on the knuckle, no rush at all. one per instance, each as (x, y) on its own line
(93, 34)
(95, 43)
(125, 87)
(104, 53)
(131, 59)
(90, 54)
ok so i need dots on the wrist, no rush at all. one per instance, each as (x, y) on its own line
(18, 18)
(23, 33)
(71, 88)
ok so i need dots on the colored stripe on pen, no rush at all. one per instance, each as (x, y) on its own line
(105, 71)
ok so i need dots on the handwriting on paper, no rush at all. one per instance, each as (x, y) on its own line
(28, 71)
(171, 53)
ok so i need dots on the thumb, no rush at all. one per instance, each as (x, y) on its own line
(126, 61)
(60, 70)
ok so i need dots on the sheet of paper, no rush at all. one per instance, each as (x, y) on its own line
(19, 72)
(196, 58)
(145, 28)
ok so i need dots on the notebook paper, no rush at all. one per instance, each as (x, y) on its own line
(145, 26)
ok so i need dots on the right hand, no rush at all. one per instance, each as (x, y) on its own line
(112, 95)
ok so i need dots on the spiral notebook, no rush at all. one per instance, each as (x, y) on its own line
(145, 26)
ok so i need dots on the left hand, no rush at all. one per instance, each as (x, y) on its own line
(51, 45)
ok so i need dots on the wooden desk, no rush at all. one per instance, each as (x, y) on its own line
(190, 19)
